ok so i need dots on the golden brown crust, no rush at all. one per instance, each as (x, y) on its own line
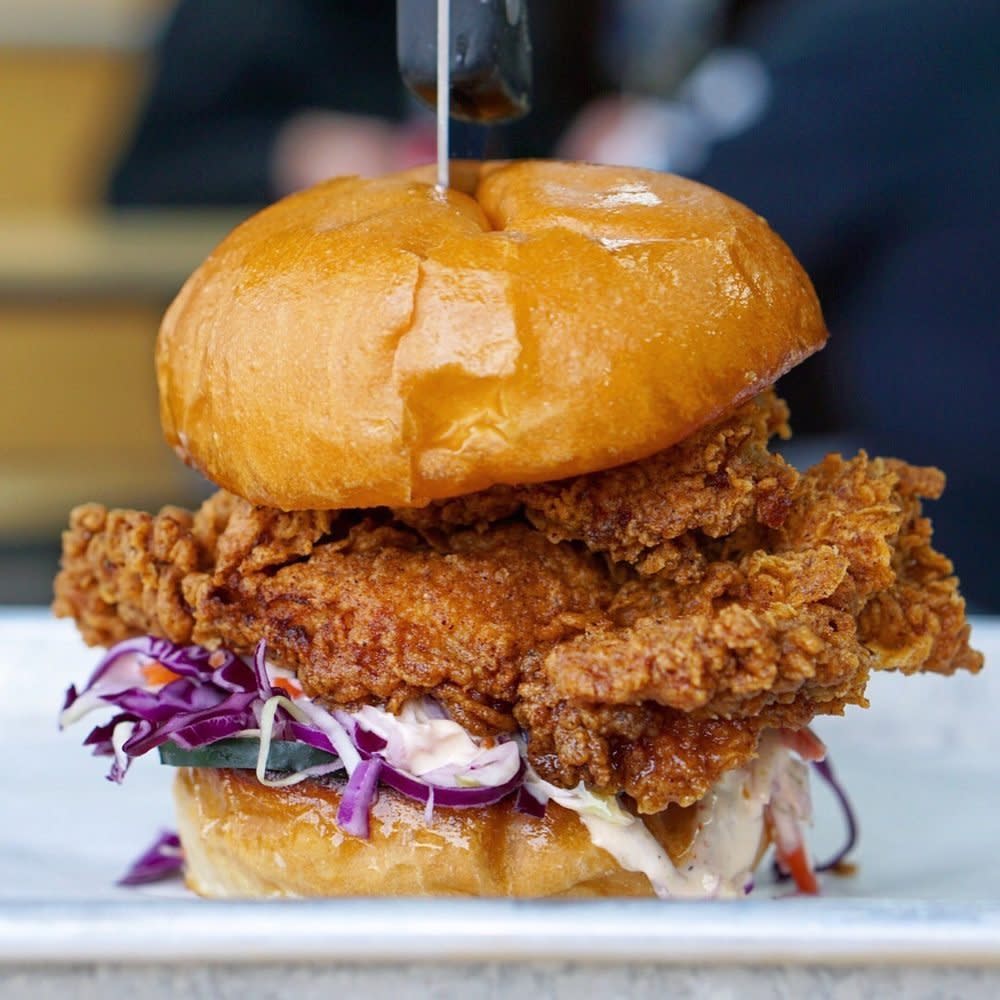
(242, 839)
(849, 583)
(647, 513)
(370, 342)
(651, 684)
(383, 616)
(124, 571)
(919, 622)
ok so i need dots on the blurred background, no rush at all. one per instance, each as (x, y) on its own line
(135, 133)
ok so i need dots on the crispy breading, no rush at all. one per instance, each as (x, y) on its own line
(713, 482)
(656, 755)
(381, 616)
(256, 538)
(783, 621)
(538, 607)
(730, 664)
(918, 623)
(122, 573)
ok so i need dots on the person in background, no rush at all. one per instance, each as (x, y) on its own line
(250, 101)
(876, 159)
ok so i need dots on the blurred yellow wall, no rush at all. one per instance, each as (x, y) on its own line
(81, 292)
(64, 113)
(71, 73)
(78, 412)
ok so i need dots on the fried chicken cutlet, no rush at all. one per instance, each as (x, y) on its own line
(641, 625)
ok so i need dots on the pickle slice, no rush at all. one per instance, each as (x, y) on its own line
(241, 753)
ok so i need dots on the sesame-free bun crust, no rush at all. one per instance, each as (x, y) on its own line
(242, 839)
(370, 342)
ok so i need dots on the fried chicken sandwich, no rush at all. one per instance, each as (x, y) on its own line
(503, 591)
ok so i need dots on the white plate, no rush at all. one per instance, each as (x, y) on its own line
(920, 767)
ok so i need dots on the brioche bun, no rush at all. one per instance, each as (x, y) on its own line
(243, 839)
(377, 342)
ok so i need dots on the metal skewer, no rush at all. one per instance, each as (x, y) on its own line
(443, 91)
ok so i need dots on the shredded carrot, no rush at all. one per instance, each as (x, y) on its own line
(804, 742)
(288, 686)
(157, 673)
(797, 865)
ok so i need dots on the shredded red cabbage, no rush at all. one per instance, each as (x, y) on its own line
(312, 736)
(216, 695)
(453, 798)
(824, 769)
(528, 804)
(358, 798)
(162, 859)
(365, 740)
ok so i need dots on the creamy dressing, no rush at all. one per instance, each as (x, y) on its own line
(730, 818)
(624, 836)
(420, 741)
(730, 825)
(438, 750)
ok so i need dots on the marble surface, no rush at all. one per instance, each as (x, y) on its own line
(500, 981)
(923, 913)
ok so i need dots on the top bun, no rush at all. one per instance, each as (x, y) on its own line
(378, 342)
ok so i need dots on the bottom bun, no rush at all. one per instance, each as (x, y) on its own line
(242, 839)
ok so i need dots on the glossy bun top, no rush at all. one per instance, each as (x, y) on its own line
(378, 342)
